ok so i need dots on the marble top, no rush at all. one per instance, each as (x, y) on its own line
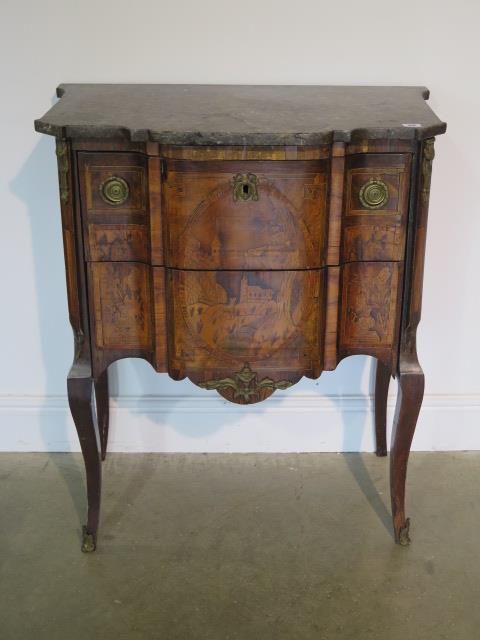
(186, 114)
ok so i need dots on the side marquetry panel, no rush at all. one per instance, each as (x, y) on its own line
(416, 258)
(121, 305)
(245, 215)
(267, 323)
(65, 180)
(376, 232)
(114, 193)
(73, 252)
(370, 305)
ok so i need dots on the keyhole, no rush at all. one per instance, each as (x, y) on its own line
(246, 189)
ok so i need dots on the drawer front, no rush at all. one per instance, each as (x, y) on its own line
(245, 333)
(376, 207)
(245, 215)
(370, 306)
(114, 198)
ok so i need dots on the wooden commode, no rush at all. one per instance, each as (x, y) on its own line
(243, 237)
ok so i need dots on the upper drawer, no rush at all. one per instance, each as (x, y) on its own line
(245, 215)
(376, 204)
(114, 197)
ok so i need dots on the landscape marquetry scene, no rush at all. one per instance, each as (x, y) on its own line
(284, 227)
(247, 316)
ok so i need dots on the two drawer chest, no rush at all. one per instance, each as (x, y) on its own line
(243, 237)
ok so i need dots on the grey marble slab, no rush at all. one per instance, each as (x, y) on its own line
(239, 114)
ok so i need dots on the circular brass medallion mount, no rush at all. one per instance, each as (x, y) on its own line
(114, 190)
(374, 194)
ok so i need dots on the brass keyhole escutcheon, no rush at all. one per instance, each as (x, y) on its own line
(114, 190)
(374, 194)
(245, 187)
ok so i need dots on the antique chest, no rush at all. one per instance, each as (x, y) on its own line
(243, 237)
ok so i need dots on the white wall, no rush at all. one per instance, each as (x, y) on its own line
(220, 41)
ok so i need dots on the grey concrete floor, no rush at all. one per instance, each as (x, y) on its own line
(289, 546)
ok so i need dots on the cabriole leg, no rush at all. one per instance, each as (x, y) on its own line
(383, 374)
(101, 397)
(411, 384)
(80, 398)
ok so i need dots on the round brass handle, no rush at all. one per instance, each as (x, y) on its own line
(374, 194)
(114, 190)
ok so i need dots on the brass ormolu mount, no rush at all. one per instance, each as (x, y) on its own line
(245, 384)
(245, 187)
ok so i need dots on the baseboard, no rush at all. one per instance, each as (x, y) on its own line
(285, 423)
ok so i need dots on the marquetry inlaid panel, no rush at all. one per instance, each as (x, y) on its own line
(220, 321)
(212, 222)
(122, 308)
(379, 241)
(369, 304)
(116, 243)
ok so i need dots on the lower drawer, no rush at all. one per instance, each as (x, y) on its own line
(243, 333)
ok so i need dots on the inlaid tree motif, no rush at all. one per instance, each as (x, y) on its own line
(369, 300)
